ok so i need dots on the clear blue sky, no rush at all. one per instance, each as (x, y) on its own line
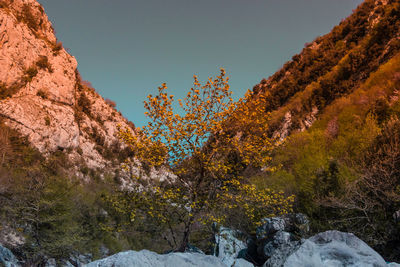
(127, 48)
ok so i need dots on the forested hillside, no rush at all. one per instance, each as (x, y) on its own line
(321, 136)
(336, 106)
(333, 65)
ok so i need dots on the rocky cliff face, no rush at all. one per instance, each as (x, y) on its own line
(41, 92)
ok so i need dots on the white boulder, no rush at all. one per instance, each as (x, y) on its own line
(228, 245)
(335, 249)
(147, 258)
(7, 258)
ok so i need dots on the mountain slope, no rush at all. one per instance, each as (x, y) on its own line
(332, 66)
(336, 108)
(335, 105)
(42, 94)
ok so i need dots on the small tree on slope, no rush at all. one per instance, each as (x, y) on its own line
(205, 147)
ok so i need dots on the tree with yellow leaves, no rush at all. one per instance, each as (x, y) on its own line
(205, 147)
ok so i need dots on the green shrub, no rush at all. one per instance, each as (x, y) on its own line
(47, 121)
(4, 91)
(99, 120)
(43, 94)
(8, 91)
(30, 73)
(79, 151)
(57, 47)
(84, 104)
(26, 16)
(43, 63)
(54, 230)
(110, 103)
(78, 115)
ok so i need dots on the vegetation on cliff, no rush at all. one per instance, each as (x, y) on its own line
(324, 129)
(343, 169)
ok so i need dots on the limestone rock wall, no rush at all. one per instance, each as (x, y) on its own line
(40, 89)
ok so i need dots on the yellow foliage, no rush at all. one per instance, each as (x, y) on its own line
(205, 147)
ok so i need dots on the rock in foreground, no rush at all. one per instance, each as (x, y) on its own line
(333, 249)
(147, 258)
(7, 259)
(228, 246)
(279, 237)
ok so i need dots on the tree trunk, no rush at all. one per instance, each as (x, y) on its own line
(185, 242)
(186, 235)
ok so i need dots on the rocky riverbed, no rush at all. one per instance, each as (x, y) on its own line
(279, 242)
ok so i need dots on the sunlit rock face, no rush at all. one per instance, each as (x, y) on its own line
(21, 46)
(40, 89)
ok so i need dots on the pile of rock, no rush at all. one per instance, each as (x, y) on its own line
(229, 247)
(7, 258)
(276, 239)
(279, 242)
(279, 237)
